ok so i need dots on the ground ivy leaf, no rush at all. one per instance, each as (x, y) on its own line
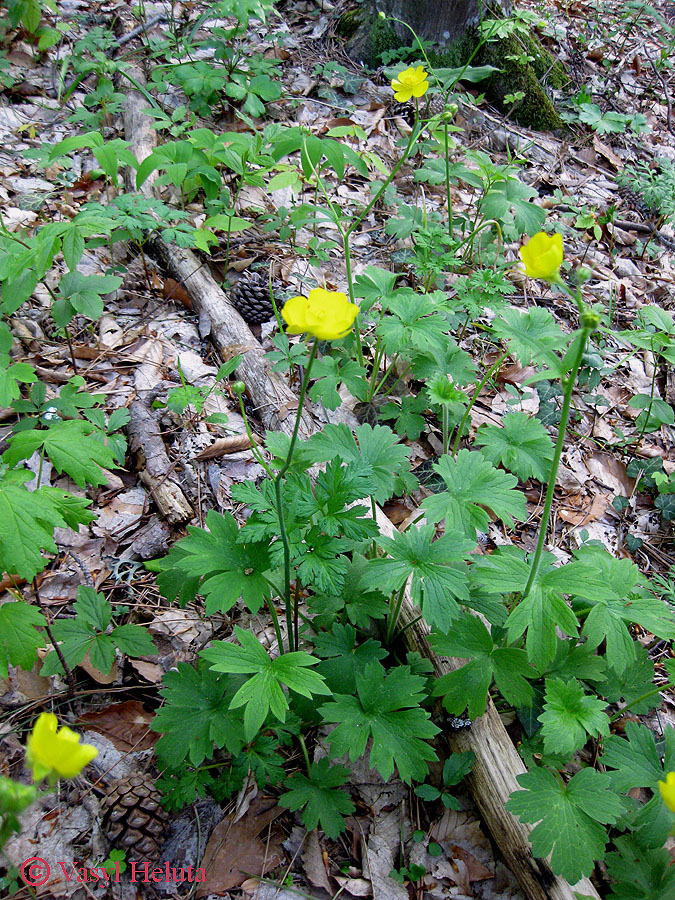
(320, 798)
(570, 716)
(569, 818)
(472, 483)
(522, 446)
(387, 708)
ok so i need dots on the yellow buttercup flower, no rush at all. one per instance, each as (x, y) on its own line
(328, 315)
(543, 256)
(667, 789)
(56, 753)
(410, 83)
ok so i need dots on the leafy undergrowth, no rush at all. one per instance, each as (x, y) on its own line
(225, 609)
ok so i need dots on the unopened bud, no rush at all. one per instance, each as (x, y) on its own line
(239, 388)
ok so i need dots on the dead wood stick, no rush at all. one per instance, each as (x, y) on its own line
(145, 440)
(497, 762)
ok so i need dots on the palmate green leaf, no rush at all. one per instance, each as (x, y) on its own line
(335, 489)
(342, 658)
(532, 336)
(319, 559)
(86, 633)
(616, 601)
(375, 452)
(522, 446)
(11, 376)
(329, 375)
(408, 421)
(571, 716)
(20, 636)
(632, 684)
(201, 698)
(414, 325)
(319, 797)
(637, 758)
(640, 873)
(471, 480)
(570, 817)
(511, 201)
(469, 685)
(541, 614)
(359, 604)
(439, 573)
(72, 446)
(28, 520)
(226, 569)
(387, 708)
(263, 692)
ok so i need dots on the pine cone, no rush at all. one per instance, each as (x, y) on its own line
(407, 110)
(133, 818)
(251, 297)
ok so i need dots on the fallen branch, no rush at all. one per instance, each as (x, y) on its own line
(145, 440)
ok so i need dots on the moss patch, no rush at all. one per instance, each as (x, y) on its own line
(348, 23)
(536, 110)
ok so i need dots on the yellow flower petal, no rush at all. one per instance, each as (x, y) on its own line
(543, 256)
(667, 789)
(56, 753)
(294, 313)
(327, 315)
(410, 83)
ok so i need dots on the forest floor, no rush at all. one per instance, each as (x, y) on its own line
(154, 339)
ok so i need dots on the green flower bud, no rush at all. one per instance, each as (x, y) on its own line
(14, 796)
(238, 388)
(590, 319)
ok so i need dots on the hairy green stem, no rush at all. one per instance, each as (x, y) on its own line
(279, 506)
(568, 386)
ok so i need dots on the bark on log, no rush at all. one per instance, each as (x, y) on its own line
(497, 762)
(145, 440)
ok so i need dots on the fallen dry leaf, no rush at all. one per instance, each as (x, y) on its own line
(235, 853)
(313, 863)
(222, 446)
(584, 512)
(126, 724)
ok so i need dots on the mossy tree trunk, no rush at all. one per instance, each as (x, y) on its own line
(441, 21)
(526, 69)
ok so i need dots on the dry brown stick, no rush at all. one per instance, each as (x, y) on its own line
(145, 440)
(497, 762)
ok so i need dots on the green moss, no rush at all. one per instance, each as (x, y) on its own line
(348, 23)
(536, 109)
(383, 37)
(455, 54)
(546, 67)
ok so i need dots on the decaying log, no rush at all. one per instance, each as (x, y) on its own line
(497, 763)
(145, 440)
